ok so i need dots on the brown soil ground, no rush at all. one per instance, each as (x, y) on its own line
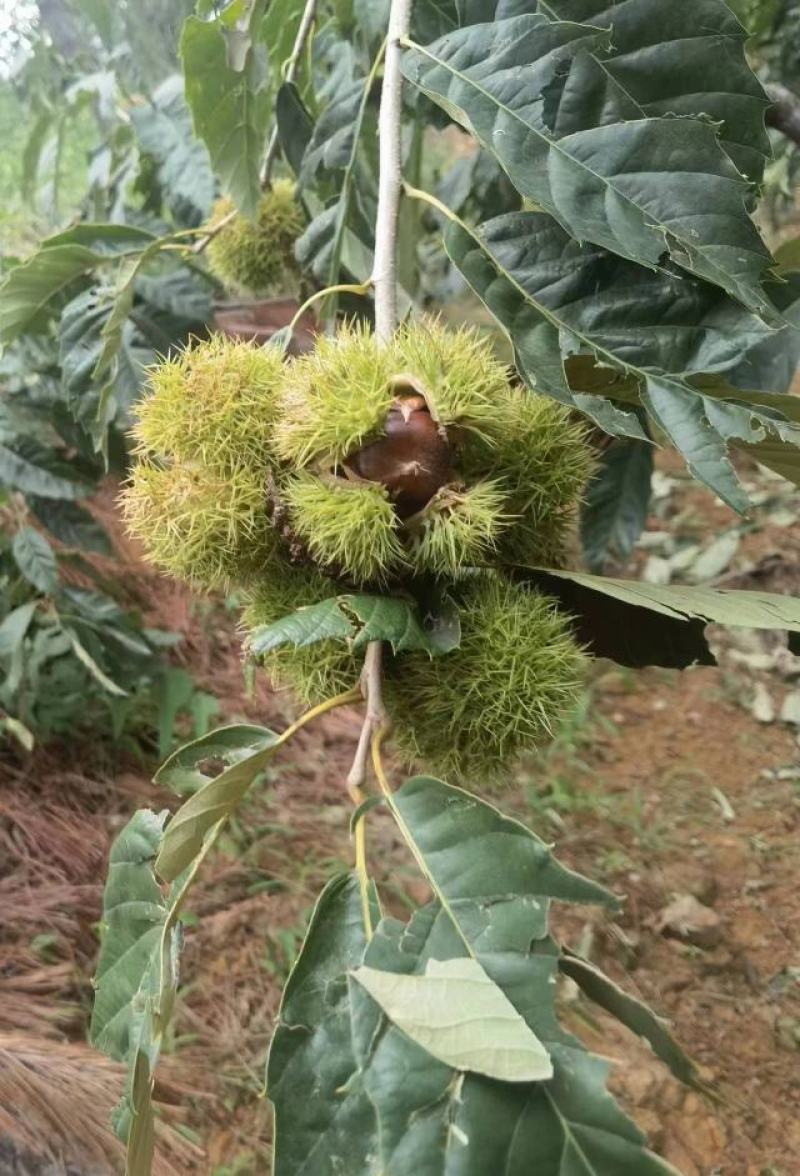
(668, 787)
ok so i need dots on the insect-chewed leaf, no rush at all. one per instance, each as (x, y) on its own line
(32, 290)
(638, 624)
(202, 760)
(460, 1016)
(360, 619)
(639, 186)
(312, 1048)
(686, 57)
(134, 911)
(632, 1013)
(380, 1096)
(242, 752)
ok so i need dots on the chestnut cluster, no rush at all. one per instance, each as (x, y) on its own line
(415, 469)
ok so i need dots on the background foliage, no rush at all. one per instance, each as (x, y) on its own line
(575, 225)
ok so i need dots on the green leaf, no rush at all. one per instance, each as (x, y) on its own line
(437, 819)
(640, 187)
(359, 619)
(15, 626)
(638, 624)
(682, 58)
(172, 695)
(230, 110)
(279, 29)
(459, 1016)
(20, 471)
(134, 911)
(616, 503)
(164, 129)
(312, 1048)
(32, 152)
(137, 974)
(244, 752)
(632, 1013)
(36, 559)
(556, 299)
(29, 296)
(86, 659)
(71, 524)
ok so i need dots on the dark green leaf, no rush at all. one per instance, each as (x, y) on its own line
(687, 58)
(164, 130)
(437, 819)
(638, 624)
(773, 362)
(230, 110)
(36, 559)
(382, 1099)
(359, 619)
(632, 1013)
(639, 187)
(615, 506)
(246, 755)
(295, 128)
(73, 525)
(556, 298)
(85, 658)
(312, 1048)
(102, 358)
(24, 471)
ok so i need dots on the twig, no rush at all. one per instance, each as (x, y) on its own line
(784, 114)
(384, 274)
(289, 74)
(384, 281)
(374, 720)
(201, 245)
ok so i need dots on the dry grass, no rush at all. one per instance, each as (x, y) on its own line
(56, 1100)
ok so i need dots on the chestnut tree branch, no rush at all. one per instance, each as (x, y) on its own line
(384, 274)
(384, 281)
(784, 114)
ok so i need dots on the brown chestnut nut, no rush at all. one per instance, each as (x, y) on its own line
(413, 459)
